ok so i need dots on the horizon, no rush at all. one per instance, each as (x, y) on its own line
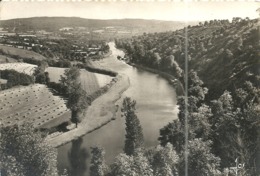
(97, 19)
(114, 18)
(162, 11)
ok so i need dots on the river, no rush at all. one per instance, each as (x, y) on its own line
(155, 108)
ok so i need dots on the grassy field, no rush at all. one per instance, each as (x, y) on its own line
(34, 103)
(19, 67)
(5, 59)
(55, 73)
(21, 53)
(91, 82)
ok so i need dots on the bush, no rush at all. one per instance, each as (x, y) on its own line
(15, 78)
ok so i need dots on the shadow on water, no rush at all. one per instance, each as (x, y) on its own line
(78, 158)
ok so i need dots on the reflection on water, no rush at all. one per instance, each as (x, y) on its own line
(156, 107)
(77, 157)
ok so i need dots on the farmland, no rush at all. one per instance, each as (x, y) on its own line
(19, 67)
(34, 104)
(21, 53)
(5, 59)
(90, 82)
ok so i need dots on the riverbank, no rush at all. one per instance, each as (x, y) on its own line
(101, 112)
(178, 86)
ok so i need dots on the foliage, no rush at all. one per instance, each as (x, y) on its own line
(164, 160)
(77, 97)
(173, 133)
(200, 159)
(219, 51)
(98, 166)
(234, 132)
(41, 76)
(15, 78)
(136, 164)
(134, 135)
(24, 152)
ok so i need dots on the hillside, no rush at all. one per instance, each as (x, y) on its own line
(223, 54)
(222, 106)
(20, 53)
(55, 23)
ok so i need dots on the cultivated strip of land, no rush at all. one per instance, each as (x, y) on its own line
(19, 67)
(34, 103)
(101, 111)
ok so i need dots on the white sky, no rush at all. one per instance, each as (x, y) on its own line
(173, 11)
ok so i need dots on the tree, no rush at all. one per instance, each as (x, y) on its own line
(200, 159)
(173, 133)
(134, 134)
(122, 166)
(176, 70)
(136, 164)
(70, 79)
(41, 76)
(164, 161)
(24, 152)
(166, 63)
(98, 165)
(234, 132)
(78, 100)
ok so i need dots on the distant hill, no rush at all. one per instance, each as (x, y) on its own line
(55, 23)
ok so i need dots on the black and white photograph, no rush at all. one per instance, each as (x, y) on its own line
(129, 88)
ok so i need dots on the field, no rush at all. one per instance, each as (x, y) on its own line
(5, 59)
(91, 82)
(3, 81)
(19, 67)
(21, 53)
(55, 73)
(34, 104)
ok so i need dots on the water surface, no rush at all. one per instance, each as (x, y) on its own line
(156, 107)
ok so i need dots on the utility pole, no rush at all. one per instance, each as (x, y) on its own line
(236, 165)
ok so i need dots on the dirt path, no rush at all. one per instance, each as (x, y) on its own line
(101, 111)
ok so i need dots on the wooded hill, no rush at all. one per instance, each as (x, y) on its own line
(55, 23)
(222, 108)
(224, 54)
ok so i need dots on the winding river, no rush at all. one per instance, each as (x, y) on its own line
(156, 107)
